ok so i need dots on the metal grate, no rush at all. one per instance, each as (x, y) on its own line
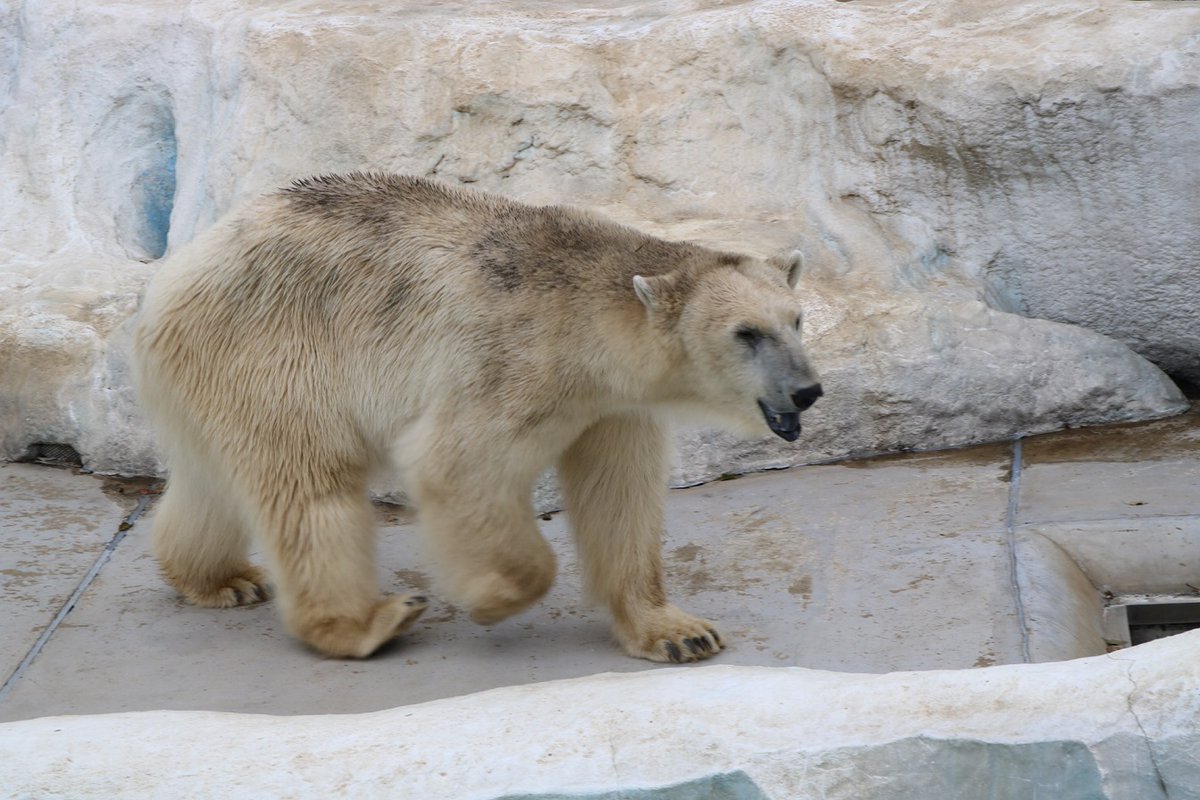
(52, 453)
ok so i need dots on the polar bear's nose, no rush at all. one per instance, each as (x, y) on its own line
(807, 396)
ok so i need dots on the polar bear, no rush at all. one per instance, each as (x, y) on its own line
(348, 322)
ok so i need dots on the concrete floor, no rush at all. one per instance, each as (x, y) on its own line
(895, 563)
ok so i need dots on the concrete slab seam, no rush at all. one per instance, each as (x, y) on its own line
(1010, 535)
(67, 607)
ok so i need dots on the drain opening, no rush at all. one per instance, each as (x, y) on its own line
(1159, 620)
(1129, 623)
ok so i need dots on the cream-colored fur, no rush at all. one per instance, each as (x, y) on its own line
(349, 322)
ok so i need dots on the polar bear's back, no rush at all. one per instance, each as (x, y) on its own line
(317, 298)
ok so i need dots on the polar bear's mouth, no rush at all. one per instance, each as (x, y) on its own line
(786, 425)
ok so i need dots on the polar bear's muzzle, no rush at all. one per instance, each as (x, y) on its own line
(786, 424)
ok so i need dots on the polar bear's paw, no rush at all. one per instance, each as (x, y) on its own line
(667, 634)
(346, 637)
(247, 586)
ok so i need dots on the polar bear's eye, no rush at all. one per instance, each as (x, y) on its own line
(749, 336)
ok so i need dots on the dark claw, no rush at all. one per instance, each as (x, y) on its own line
(692, 644)
(673, 652)
(704, 644)
(716, 636)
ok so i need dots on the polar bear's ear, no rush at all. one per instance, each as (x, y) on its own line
(790, 264)
(654, 290)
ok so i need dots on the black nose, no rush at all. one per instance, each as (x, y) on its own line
(807, 396)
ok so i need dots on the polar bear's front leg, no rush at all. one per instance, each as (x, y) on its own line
(665, 633)
(614, 478)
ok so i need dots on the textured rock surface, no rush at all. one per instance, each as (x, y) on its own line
(1120, 727)
(940, 166)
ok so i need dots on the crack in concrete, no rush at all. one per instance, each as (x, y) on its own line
(612, 756)
(1129, 665)
(102, 559)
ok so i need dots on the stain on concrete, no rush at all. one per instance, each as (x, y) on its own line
(698, 581)
(802, 587)
(996, 454)
(127, 491)
(414, 579)
(391, 513)
(1176, 437)
(913, 584)
(982, 455)
(687, 553)
(448, 614)
(686, 570)
(58, 519)
(751, 519)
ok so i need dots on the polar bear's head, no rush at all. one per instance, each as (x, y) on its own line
(738, 323)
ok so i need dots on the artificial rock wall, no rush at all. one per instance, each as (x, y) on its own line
(962, 178)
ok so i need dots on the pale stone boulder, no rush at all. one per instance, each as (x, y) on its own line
(1044, 150)
(1119, 727)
